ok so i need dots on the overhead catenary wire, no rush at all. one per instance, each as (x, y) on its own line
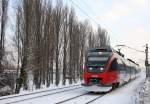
(85, 13)
(129, 48)
(135, 49)
(86, 4)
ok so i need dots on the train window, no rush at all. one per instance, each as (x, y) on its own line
(121, 65)
(98, 58)
(100, 54)
(114, 65)
(97, 61)
(124, 66)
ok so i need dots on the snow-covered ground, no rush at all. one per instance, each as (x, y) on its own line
(131, 93)
(127, 94)
(145, 98)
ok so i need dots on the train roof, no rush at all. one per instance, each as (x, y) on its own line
(93, 51)
(101, 49)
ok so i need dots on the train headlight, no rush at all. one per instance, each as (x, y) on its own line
(101, 69)
(90, 68)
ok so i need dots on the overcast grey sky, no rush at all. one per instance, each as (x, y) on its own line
(127, 21)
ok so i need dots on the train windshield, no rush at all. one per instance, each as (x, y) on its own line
(98, 59)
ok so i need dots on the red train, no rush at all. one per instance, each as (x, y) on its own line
(106, 69)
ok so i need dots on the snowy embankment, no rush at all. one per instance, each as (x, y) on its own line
(145, 99)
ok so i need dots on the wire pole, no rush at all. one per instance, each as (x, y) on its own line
(146, 61)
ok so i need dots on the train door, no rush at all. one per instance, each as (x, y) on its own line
(121, 71)
(127, 71)
(130, 71)
(113, 69)
(134, 72)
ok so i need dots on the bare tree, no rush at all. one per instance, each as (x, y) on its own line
(83, 35)
(71, 24)
(25, 36)
(3, 21)
(17, 39)
(91, 40)
(102, 37)
(65, 43)
(58, 24)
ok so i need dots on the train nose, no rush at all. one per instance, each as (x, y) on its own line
(93, 81)
(95, 69)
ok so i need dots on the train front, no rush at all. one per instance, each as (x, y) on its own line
(95, 76)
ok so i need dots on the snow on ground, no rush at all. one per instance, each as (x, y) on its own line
(127, 94)
(50, 99)
(131, 93)
(43, 87)
(22, 92)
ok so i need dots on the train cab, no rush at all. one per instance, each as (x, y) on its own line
(106, 69)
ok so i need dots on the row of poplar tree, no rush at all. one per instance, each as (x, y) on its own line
(51, 42)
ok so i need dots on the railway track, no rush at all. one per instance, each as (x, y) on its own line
(30, 96)
(37, 92)
(71, 98)
(85, 94)
(42, 94)
(94, 99)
